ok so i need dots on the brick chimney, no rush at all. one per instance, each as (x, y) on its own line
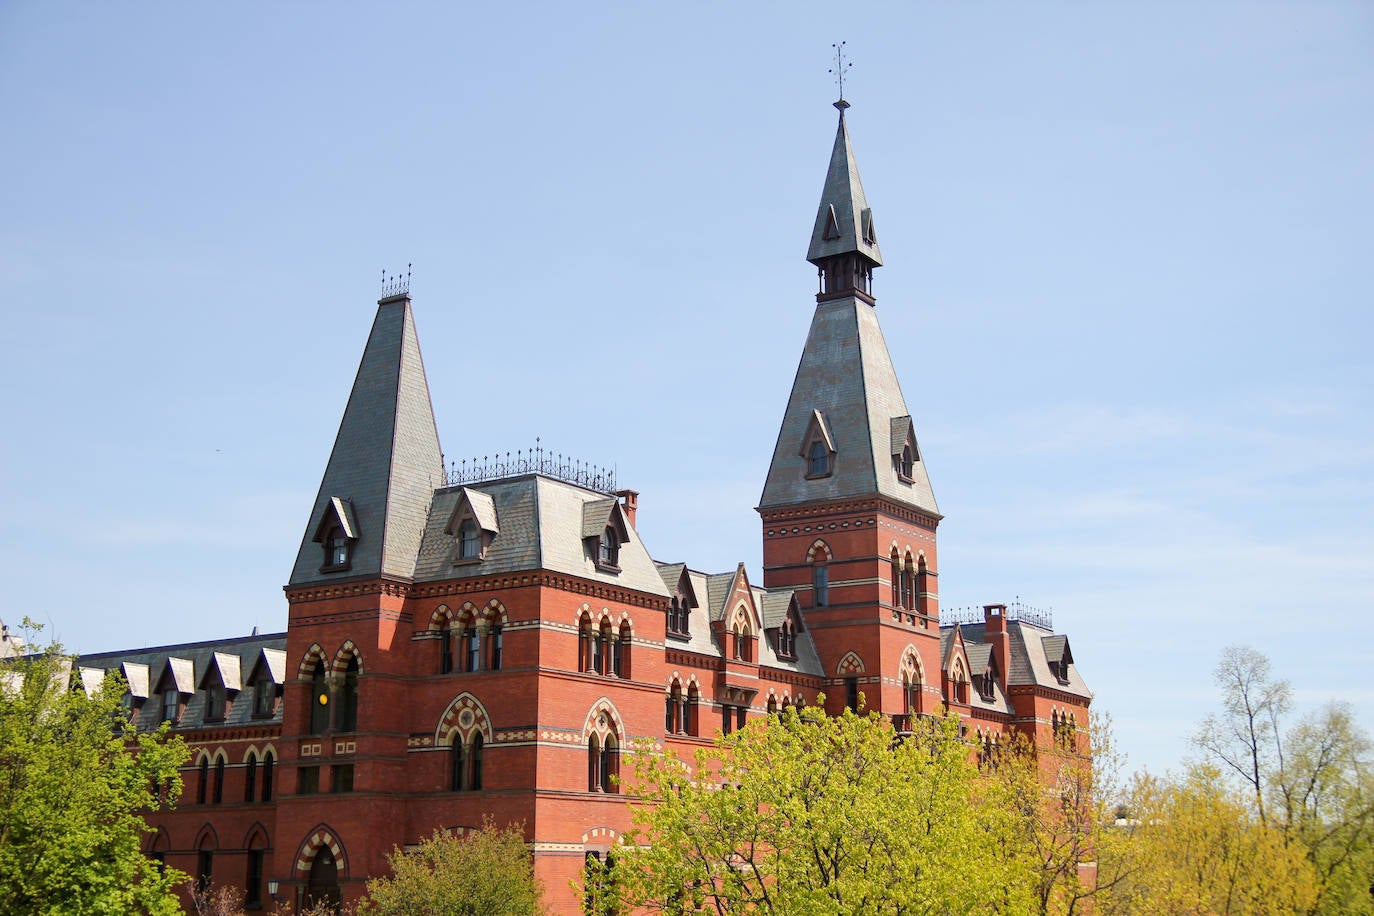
(995, 633)
(629, 501)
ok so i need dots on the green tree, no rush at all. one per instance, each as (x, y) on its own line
(1199, 848)
(1313, 781)
(813, 814)
(76, 780)
(489, 872)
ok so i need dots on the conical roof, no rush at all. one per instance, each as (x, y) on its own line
(847, 377)
(844, 222)
(386, 461)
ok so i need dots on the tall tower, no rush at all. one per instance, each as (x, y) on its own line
(848, 514)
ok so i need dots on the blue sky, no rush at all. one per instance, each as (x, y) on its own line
(1128, 293)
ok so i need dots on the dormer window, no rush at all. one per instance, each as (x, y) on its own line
(337, 549)
(817, 460)
(336, 534)
(264, 698)
(905, 452)
(214, 701)
(469, 540)
(608, 550)
(472, 525)
(818, 448)
(171, 705)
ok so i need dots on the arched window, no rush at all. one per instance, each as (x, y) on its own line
(257, 858)
(219, 780)
(908, 461)
(319, 700)
(469, 540)
(675, 711)
(456, 762)
(348, 697)
(609, 548)
(203, 784)
(772, 705)
(621, 659)
(250, 777)
(911, 695)
(495, 644)
(205, 860)
(472, 646)
(446, 647)
(908, 585)
(693, 714)
(586, 648)
(603, 765)
(601, 652)
(475, 764)
(267, 763)
(922, 584)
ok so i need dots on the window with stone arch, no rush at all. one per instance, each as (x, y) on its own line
(958, 682)
(269, 760)
(922, 584)
(494, 624)
(321, 866)
(347, 670)
(818, 558)
(206, 846)
(442, 623)
(250, 776)
(912, 689)
(465, 727)
(604, 735)
(203, 780)
(675, 709)
(256, 848)
(743, 629)
(220, 763)
(312, 669)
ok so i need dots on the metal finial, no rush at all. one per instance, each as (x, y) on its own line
(838, 71)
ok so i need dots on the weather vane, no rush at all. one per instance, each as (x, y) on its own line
(841, 65)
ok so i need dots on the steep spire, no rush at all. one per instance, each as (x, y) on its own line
(844, 242)
(847, 431)
(370, 512)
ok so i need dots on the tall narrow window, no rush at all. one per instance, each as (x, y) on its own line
(693, 710)
(219, 780)
(609, 548)
(820, 584)
(622, 651)
(203, 783)
(585, 645)
(469, 540)
(250, 777)
(264, 697)
(475, 767)
(348, 698)
(205, 867)
(817, 460)
(267, 763)
(456, 760)
(214, 699)
(922, 584)
(472, 648)
(171, 705)
(593, 764)
(252, 896)
(319, 700)
(851, 693)
(608, 766)
(495, 640)
(446, 649)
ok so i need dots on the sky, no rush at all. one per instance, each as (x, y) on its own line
(1127, 290)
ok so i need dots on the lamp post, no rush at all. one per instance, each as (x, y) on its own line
(272, 887)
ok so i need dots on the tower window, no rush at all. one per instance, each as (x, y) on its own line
(820, 584)
(338, 548)
(817, 460)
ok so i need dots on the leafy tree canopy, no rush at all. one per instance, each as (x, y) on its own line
(76, 780)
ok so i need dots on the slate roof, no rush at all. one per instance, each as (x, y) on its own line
(189, 663)
(1029, 649)
(542, 525)
(846, 373)
(842, 195)
(386, 461)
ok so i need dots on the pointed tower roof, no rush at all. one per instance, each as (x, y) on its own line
(844, 222)
(386, 461)
(847, 431)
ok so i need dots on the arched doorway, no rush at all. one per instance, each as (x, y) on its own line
(322, 885)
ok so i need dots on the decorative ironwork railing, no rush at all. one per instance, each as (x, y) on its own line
(1016, 610)
(532, 461)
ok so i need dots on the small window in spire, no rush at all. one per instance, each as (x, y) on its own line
(870, 231)
(338, 549)
(469, 540)
(608, 551)
(817, 448)
(817, 460)
(832, 225)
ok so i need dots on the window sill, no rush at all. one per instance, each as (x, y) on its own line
(819, 476)
(333, 568)
(608, 568)
(468, 561)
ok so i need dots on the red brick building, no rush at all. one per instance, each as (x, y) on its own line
(485, 642)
